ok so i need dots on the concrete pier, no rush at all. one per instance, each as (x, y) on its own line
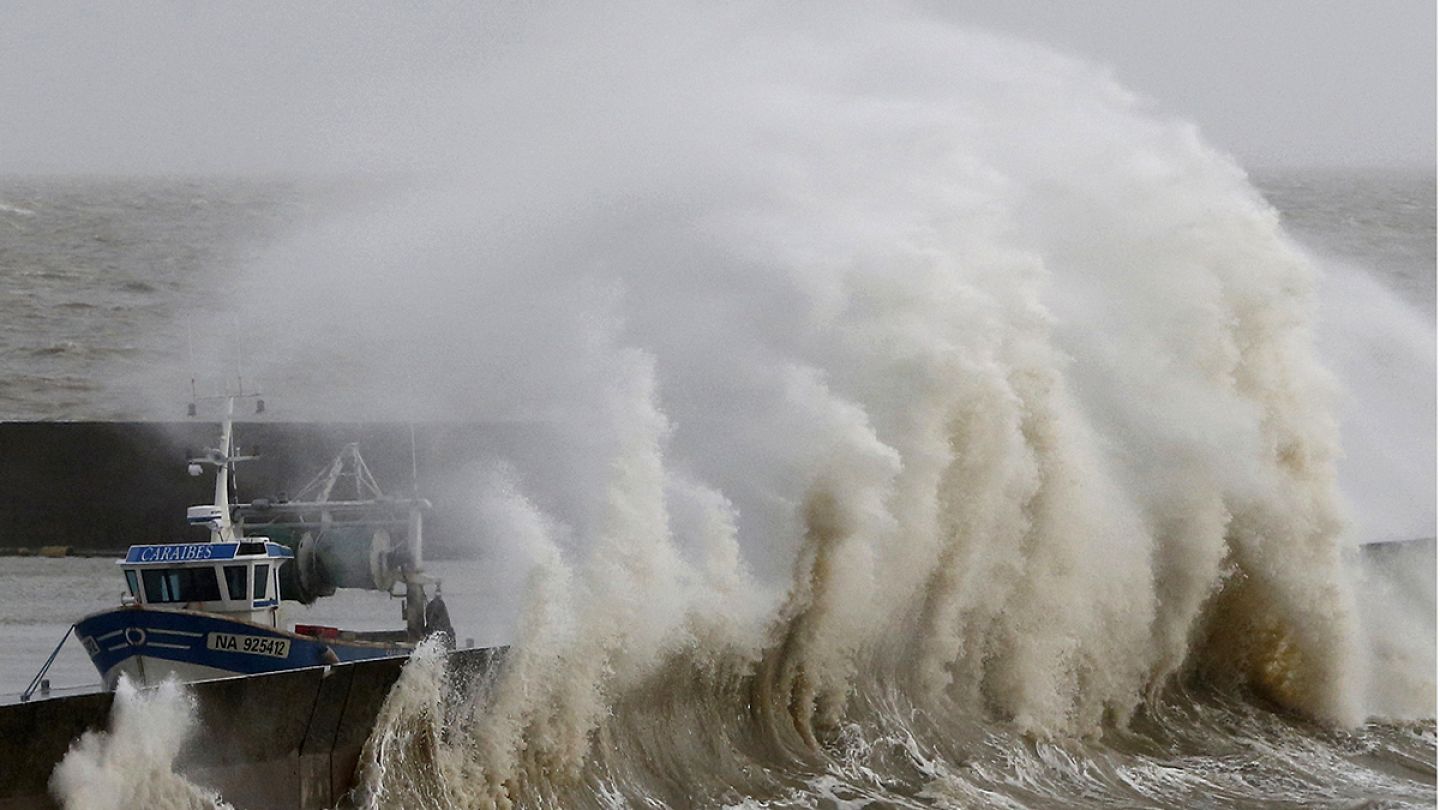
(286, 740)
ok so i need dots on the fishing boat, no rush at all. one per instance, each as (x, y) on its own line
(212, 608)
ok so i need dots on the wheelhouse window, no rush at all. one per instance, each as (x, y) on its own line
(262, 578)
(181, 584)
(235, 581)
(134, 584)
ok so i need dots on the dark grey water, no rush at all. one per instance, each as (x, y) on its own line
(103, 282)
(1380, 219)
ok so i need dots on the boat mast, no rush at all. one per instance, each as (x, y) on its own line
(224, 527)
(217, 515)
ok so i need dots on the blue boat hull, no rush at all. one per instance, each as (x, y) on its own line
(151, 644)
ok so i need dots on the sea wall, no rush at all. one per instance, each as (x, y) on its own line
(285, 740)
(108, 485)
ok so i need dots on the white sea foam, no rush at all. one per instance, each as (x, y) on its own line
(133, 763)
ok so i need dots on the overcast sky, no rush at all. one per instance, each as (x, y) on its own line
(187, 88)
(1276, 82)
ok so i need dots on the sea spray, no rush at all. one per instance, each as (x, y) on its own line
(583, 643)
(1383, 349)
(1022, 431)
(404, 763)
(133, 763)
(1397, 627)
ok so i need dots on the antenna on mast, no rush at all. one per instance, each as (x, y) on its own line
(239, 356)
(414, 465)
(190, 348)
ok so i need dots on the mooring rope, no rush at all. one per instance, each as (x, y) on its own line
(30, 690)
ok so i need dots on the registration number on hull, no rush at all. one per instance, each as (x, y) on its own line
(250, 645)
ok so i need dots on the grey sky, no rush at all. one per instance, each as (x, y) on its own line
(181, 87)
(1276, 82)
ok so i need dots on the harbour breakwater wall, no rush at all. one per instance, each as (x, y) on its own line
(285, 740)
(108, 485)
